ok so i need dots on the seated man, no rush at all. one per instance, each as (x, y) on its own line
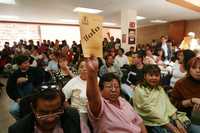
(109, 66)
(48, 114)
(21, 82)
(107, 111)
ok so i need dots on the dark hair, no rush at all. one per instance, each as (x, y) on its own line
(48, 93)
(106, 58)
(151, 69)
(107, 78)
(193, 62)
(121, 50)
(188, 54)
(62, 58)
(176, 54)
(163, 37)
(118, 40)
(140, 54)
(21, 59)
(163, 55)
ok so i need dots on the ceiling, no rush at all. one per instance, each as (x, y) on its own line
(54, 10)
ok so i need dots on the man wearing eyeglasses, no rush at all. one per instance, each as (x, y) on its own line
(48, 115)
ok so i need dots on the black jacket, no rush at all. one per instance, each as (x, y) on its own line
(70, 122)
(35, 76)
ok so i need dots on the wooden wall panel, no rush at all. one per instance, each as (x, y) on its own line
(177, 31)
(193, 26)
(147, 34)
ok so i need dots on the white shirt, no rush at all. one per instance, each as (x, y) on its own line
(76, 90)
(52, 66)
(121, 60)
(164, 47)
(176, 74)
(194, 45)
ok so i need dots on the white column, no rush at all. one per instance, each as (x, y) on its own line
(128, 16)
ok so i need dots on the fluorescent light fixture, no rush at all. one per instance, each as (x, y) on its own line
(140, 18)
(158, 21)
(87, 10)
(70, 21)
(8, 17)
(194, 2)
(109, 24)
(10, 2)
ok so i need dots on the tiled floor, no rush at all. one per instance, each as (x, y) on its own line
(5, 118)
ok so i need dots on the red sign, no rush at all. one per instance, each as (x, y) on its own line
(132, 25)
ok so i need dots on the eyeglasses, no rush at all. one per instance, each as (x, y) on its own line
(110, 86)
(46, 116)
(45, 87)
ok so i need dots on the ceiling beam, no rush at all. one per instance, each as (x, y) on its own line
(185, 4)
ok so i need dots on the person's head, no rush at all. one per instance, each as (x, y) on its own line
(118, 41)
(120, 52)
(23, 62)
(52, 56)
(132, 49)
(138, 57)
(160, 53)
(105, 42)
(185, 56)
(163, 39)
(109, 60)
(191, 34)
(47, 105)
(194, 68)
(112, 38)
(82, 70)
(62, 62)
(74, 42)
(105, 53)
(148, 52)
(152, 75)
(109, 85)
(64, 42)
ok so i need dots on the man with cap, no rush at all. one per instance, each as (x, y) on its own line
(21, 83)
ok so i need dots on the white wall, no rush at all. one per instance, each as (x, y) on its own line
(14, 32)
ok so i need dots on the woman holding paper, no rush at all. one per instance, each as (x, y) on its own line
(107, 111)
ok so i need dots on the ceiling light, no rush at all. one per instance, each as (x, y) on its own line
(70, 21)
(140, 18)
(10, 2)
(194, 2)
(109, 24)
(87, 10)
(8, 17)
(158, 21)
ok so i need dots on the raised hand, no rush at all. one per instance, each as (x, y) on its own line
(92, 65)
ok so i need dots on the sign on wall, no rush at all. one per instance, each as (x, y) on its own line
(131, 33)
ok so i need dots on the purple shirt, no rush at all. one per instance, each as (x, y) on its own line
(114, 119)
(57, 129)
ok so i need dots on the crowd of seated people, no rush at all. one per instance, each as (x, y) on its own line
(154, 89)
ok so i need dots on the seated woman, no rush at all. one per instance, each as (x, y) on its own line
(186, 92)
(75, 93)
(64, 74)
(107, 111)
(53, 63)
(154, 106)
(181, 65)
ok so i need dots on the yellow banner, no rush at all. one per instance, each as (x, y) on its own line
(91, 34)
